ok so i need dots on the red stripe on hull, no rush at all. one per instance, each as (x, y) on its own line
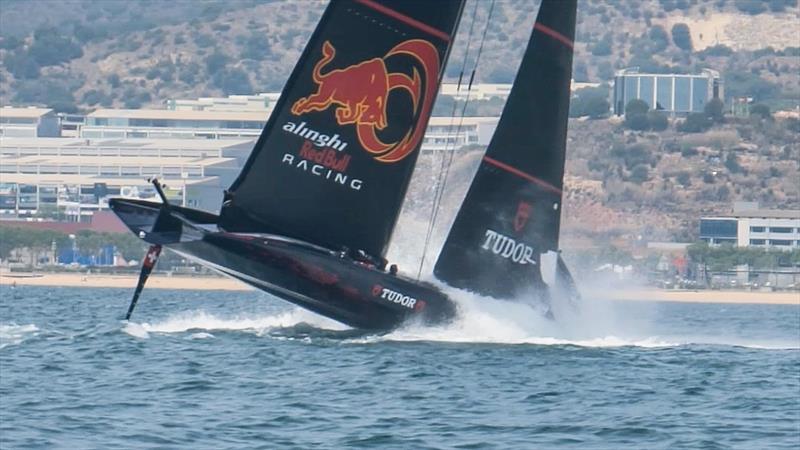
(521, 174)
(405, 19)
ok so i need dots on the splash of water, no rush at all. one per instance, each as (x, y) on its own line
(13, 334)
(202, 322)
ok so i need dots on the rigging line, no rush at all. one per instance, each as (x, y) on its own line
(463, 112)
(447, 157)
(437, 186)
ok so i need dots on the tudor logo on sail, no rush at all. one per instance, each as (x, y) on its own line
(508, 248)
(360, 92)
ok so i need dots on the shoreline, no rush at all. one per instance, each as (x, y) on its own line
(640, 294)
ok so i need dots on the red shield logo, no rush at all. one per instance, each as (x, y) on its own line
(523, 214)
(360, 91)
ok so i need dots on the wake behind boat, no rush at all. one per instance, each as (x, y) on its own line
(310, 216)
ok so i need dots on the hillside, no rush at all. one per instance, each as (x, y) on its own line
(620, 183)
(84, 54)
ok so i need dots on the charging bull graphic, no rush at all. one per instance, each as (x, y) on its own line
(360, 92)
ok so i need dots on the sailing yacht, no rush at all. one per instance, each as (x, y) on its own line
(310, 216)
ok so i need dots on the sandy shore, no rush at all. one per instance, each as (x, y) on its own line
(228, 284)
(121, 281)
(705, 296)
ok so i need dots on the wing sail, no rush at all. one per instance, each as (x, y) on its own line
(334, 160)
(511, 214)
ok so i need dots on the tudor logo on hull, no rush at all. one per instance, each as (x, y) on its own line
(360, 92)
(398, 297)
(508, 248)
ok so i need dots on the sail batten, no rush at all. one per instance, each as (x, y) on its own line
(333, 163)
(511, 214)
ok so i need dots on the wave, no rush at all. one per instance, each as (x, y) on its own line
(481, 320)
(201, 322)
(13, 334)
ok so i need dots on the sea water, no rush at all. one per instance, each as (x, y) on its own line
(212, 369)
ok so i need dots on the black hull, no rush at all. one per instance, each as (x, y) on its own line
(318, 279)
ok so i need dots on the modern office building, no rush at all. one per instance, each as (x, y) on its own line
(749, 226)
(676, 94)
(70, 124)
(28, 122)
(448, 133)
(171, 124)
(72, 178)
(443, 133)
(263, 102)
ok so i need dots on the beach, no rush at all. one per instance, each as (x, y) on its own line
(161, 281)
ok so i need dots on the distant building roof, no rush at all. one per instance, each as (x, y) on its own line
(456, 121)
(169, 114)
(27, 113)
(62, 179)
(769, 214)
(102, 221)
(210, 144)
(31, 160)
(760, 214)
(635, 71)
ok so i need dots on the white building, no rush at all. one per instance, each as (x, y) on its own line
(75, 177)
(450, 133)
(752, 227)
(669, 92)
(263, 102)
(171, 124)
(443, 133)
(28, 122)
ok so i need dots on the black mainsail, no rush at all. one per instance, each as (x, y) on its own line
(511, 214)
(334, 161)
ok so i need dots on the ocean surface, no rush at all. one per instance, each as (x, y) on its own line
(229, 370)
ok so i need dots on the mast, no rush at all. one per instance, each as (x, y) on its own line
(333, 163)
(511, 214)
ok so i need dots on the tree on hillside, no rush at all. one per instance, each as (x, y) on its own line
(715, 110)
(681, 36)
(695, 123)
(636, 115)
(636, 106)
(746, 84)
(233, 81)
(592, 102)
(50, 48)
(732, 163)
(657, 120)
(760, 110)
(603, 46)
(215, 62)
(21, 65)
(55, 93)
(751, 7)
(659, 38)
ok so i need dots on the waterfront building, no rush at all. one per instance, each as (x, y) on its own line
(171, 124)
(28, 122)
(70, 124)
(448, 133)
(749, 226)
(676, 94)
(443, 133)
(72, 178)
(263, 102)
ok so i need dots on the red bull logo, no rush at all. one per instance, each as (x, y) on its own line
(360, 93)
